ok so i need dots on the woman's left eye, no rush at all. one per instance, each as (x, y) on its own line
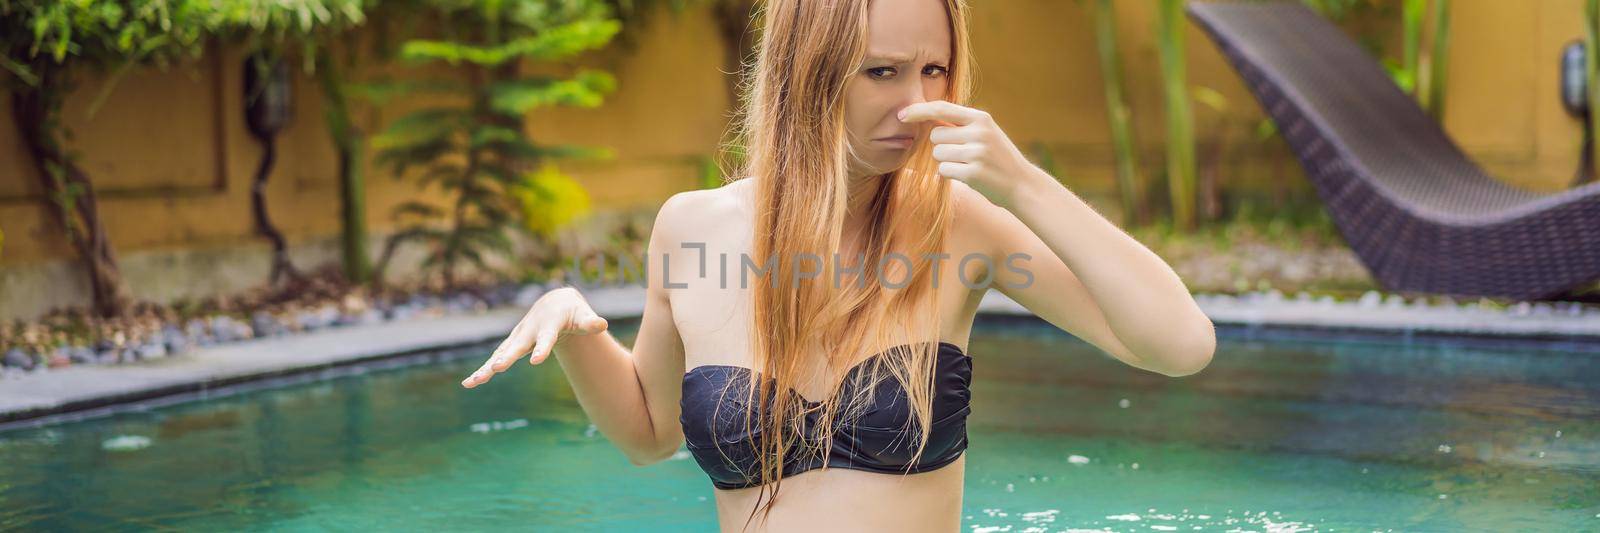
(889, 72)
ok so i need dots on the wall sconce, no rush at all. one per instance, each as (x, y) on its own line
(268, 95)
(1575, 99)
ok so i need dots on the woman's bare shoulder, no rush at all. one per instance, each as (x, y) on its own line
(703, 209)
(968, 206)
(975, 222)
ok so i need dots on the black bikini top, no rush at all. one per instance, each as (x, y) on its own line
(876, 441)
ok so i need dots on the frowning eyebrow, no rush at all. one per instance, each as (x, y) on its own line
(892, 57)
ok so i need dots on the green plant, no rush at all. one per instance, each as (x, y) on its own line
(1180, 117)
(349, 144)
(477, 148)
(1432, 92)
(1421, 74)
(550, 200)
(1118, 115)
(45, 46)
(1591, 36)
(710, 173)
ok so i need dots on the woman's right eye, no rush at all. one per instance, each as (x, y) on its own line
(879, 72)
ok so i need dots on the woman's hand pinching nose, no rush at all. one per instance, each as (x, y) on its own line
(557, 314)
(970, 147)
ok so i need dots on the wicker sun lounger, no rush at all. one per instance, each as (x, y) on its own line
(1420, 214)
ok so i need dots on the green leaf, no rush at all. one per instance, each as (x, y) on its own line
(421, 127)
(417, 209)
(383, 91)
(417, 233)
(400, 159)
(494, 239)
(554, 43)
(491, 134)
(587, 89)
(576, 152)
(475, 258)
(498, 173)
(1211, 98)
(448, 175)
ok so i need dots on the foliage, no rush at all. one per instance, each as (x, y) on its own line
(43, 45)
(550, 199)
(1591, 67)
(476, 148)
(1180, 117)
(1118, 114)
(349, 144)
(710, 173)
(114, 33)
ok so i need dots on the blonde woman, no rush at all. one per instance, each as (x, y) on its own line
(805, 327)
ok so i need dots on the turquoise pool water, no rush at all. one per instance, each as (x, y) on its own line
(1274, 436)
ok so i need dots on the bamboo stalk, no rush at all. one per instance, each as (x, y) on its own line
(1438, 59)
(1591, 23)
(1180, 117)
(1411, 18)
(352, 181)
(1117, 113)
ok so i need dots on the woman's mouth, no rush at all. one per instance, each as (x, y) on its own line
(898, 141)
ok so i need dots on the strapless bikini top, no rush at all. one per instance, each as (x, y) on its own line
(879, 440)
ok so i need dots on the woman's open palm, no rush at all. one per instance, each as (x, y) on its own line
(554, 316)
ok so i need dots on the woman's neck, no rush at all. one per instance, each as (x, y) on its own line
(858, 199)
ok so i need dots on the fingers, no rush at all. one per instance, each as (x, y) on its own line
(515, 345)
(957, 153)
(960, 171)
(541, 348)
(954, 135)
(536, 335)
(588, 323)
(941, 110)
(481, 375)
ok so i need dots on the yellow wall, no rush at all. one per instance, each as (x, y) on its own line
(173, 161)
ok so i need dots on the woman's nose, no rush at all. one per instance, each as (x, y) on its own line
(916, 95)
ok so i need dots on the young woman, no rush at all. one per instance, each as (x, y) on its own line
(805, 326)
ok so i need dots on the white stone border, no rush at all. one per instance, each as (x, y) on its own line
(37, 397)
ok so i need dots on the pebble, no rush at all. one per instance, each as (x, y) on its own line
(17, 358)
(82, 355)
(152, 350)
(173, 339)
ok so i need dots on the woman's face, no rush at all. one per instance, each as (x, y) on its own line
(908, 60)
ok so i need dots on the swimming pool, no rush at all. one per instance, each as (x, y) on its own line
(1273, 436)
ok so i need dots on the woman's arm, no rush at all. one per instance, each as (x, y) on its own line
(1087, 277)
(633, 397)
(1081, 273)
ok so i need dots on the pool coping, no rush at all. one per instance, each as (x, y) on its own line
(43, 397)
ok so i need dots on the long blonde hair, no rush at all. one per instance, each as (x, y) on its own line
(796, 148)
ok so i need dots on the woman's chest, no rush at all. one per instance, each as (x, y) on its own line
(710, 286)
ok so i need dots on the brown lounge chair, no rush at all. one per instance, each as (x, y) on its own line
(1415, 209)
